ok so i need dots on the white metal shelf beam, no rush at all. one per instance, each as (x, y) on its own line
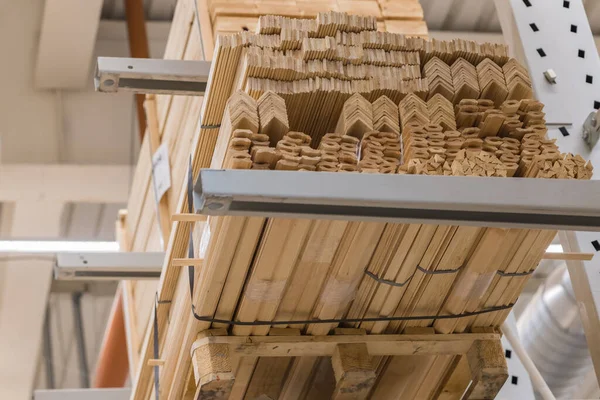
(159, 76)
(83, 394)
(521, 203)
(108, 266)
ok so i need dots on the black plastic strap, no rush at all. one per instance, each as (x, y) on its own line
(191, 268)
(211, 319)
(334, 321)
(190, 187)
(502, 273)
(350, 320)
(156, 356)
(190, 198)
(401, 284)
(439, 271)
(387, 281)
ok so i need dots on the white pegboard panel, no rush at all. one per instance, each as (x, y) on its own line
(556, 35)
(518, 385)
(535, 22)
(561, 30)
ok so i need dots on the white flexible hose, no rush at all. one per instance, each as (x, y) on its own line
(536, 378)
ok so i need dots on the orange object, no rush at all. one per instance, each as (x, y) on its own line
(138, 48)
(113, 365)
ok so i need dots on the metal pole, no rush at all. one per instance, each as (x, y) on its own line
(84, 377)
(48, 358)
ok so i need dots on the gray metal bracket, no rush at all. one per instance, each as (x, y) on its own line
(141, 75)
(591, 129)
(108, 266)
(519, 202)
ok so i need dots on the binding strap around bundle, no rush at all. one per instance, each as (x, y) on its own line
(211, 319)
(419, 268)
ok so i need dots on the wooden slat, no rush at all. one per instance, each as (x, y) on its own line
(162, 209)
(404, 375)
(568, 256)
(457, 382)
(268, 377)
(309, 345)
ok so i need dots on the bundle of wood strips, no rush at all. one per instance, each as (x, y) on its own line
(322, 101)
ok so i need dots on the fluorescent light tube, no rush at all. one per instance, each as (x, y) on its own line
(55, 246)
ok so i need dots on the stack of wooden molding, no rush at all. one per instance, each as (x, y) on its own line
(441, 112)
(464, 80)
(380, 152)
(312, 101)
(356, 117)
(510, 138)
(439, 77)
(385, 115)
(491, 82)
(404, 16)
(413, 109)
(517, 80)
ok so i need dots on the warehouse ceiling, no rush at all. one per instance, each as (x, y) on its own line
(440, 15)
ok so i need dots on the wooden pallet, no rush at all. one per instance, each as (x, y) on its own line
(478, 370)
(230, 16)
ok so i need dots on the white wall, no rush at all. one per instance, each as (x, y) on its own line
(101, 127)
(93, 128)
(27, 118)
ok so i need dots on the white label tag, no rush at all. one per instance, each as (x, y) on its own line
(161, 172)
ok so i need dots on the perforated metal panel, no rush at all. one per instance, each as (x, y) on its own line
(566, 38)
(555, 34)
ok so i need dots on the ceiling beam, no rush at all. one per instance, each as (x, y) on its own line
(67, 43)
(65, 183)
